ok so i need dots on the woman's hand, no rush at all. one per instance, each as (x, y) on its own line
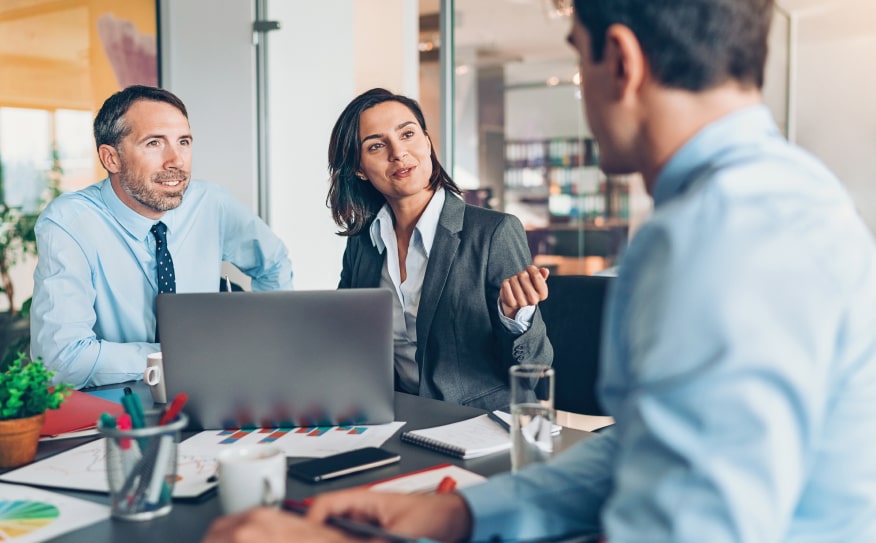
(525, 288)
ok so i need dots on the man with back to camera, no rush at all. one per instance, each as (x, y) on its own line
(98, 274)
(740, 358)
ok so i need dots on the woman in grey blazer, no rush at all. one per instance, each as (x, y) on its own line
(465, 308)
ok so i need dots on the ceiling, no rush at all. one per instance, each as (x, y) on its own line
(512, 29)
(520, 30)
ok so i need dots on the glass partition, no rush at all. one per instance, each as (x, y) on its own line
(521, 144)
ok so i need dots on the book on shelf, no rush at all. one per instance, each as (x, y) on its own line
(470, 438)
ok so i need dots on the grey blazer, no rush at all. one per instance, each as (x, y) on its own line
(463, 350)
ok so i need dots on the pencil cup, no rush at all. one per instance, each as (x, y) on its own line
(532, 414)
(141, 466)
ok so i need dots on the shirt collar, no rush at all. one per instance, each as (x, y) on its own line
(426, 226)
(135, 224)
(730, 131)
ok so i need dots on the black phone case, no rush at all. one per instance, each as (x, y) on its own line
(345, 463)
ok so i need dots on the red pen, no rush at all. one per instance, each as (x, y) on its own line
(447, 484)
(174, 408)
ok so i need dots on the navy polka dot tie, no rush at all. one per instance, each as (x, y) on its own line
(166, 279)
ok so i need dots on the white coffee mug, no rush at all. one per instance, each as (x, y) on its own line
(153, 376)
(251, 476)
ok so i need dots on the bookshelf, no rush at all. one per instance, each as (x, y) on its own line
(570, 208)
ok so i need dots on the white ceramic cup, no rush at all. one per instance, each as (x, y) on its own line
(154, 377)
(251, 476)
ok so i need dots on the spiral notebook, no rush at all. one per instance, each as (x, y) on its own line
(470, 438)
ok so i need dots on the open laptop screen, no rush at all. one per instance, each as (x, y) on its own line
(281, 358)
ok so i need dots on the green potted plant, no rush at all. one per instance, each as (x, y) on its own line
(26, 391)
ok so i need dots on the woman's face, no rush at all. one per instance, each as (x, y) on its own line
(395, 152)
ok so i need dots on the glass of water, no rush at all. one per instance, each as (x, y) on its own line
(532, 414)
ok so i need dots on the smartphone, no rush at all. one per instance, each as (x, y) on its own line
(345, 463)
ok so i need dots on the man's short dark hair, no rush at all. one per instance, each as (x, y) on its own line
(110, 126)
(690, 44)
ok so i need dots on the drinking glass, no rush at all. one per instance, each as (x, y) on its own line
(532, 414)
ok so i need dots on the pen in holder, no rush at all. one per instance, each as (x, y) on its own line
(141, 465)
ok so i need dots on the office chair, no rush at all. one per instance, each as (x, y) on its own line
(573, 315)
(223, 286)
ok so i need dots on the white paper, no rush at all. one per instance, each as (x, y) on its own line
(84, 468)
(301, 442)
(427, 480)
(29, 515)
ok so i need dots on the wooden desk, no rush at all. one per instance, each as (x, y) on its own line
(189, 520)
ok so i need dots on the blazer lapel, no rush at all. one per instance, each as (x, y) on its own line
(370, 265)
(441, 260)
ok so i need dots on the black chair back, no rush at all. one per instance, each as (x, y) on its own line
(225, 284)
(573, 316)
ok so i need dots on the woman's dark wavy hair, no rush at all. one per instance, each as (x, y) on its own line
(354, 202)
(690, 44)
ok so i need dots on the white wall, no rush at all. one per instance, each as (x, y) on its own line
(311, 80)
(324, 54)
(213, 72)
(833, 90)
(386, 36)
(836, 116)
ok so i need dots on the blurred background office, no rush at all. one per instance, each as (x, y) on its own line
(264, 80)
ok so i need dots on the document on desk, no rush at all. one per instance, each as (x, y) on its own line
(84, 468)
(28, 515)
(313, 442)
(428, 480)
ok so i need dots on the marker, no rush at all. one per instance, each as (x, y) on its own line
(447, 484)
(173, 409)
(123, 425)
(134, 408)
(157, 488)
(107, 421)
(130, 458)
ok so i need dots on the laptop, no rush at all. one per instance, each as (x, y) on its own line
(279, 359)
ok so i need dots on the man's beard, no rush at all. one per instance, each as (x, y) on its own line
(144, 191)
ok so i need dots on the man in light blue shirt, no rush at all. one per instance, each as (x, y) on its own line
(93, 313)
(739, 356)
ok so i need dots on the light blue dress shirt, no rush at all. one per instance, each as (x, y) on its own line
(739, 363)
(93, 312)
(407, 299)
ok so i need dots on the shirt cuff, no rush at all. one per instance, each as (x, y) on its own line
(493, 519)
(521, 322)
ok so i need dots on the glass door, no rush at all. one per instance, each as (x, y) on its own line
(520, 140)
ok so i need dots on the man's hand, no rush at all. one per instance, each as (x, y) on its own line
(525, 288)
(439, 517)
(266, 525)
